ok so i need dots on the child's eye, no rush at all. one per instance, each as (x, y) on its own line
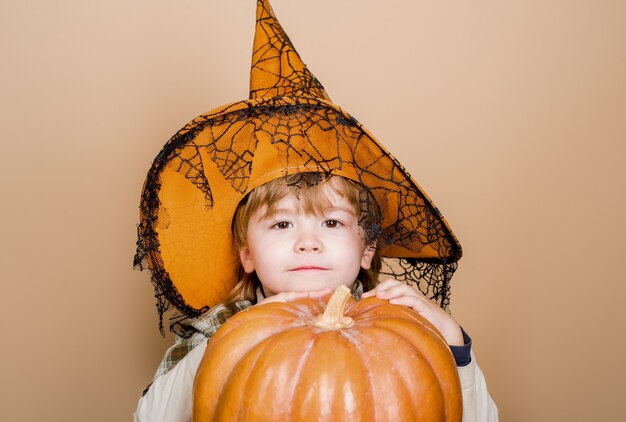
(282, 225)
(331, 224)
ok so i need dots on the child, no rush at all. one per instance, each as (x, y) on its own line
(281, 197)
(296, 242)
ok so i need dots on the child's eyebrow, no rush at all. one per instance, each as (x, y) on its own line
(348, 210)
(290, 211)
(271, 213)
(281, 211)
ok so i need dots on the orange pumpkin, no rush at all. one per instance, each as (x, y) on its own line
(288, 361)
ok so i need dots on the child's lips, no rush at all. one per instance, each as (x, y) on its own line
(309, 268)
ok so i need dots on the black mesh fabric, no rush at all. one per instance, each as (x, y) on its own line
(290, 113)
(312, 135)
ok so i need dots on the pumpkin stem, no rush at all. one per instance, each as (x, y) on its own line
(333, 318)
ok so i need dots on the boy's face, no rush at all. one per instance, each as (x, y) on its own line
(294, 251)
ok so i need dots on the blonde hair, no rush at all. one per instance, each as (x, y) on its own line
(312, 192)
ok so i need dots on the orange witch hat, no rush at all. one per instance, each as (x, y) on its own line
(288, 126)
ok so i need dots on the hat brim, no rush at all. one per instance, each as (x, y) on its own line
(206, 169)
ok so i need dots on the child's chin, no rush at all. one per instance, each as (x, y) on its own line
(314, 284)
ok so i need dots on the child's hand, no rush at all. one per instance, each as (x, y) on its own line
(291, 296)
(399, 293)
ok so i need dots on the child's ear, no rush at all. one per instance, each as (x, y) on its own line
(368, 255)
(246, 259)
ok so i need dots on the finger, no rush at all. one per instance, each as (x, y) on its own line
(368, 294)
(390, 282)
(409, 301)
(396, 291)
(382, 286)
(418, 303)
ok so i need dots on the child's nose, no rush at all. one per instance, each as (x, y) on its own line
(308, 241)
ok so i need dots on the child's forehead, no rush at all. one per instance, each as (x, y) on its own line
(292, 202)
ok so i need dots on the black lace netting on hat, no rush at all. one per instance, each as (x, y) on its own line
(294, 126)
(289, 108)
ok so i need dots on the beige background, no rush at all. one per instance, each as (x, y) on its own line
(512, 116)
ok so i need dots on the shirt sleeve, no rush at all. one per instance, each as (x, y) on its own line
(478, 406)
(462, 354)
(170, 397)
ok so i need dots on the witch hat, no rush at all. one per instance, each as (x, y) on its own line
(287, 126)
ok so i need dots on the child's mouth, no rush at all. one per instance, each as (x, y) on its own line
(308, 268)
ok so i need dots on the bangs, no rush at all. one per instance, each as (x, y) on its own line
(314, 196)
(315, 193)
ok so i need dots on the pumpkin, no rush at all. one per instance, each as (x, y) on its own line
(306, 360)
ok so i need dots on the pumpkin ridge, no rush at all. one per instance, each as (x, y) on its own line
(276, 342)
(224, 364)
(423, 356)
(229, 336)
(401, 378)
(309, 308)
(395, 321)
(403, 329)
(421, 322)
(376, 312)
(305, 354)
(364, 306)
(281, 318)
(317, 358)
(350, 335)
(241, 378)
(303, 309)
(223, 402)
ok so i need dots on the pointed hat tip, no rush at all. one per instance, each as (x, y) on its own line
(277, 69)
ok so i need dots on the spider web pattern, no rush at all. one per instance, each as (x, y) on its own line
(181, 155)
(277, 69)
(290, 110)
(310, 135)
(414, 273)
